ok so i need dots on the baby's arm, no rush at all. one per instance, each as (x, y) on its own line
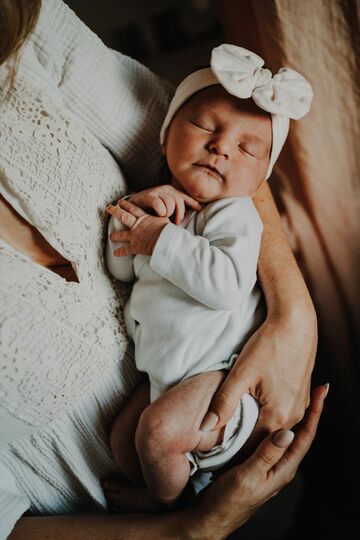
(218, 266)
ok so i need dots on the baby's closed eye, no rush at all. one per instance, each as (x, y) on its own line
(202, 125)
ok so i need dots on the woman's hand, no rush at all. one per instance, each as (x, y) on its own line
(275, 367)
(143, 232)
(235, 495)
(165, 200)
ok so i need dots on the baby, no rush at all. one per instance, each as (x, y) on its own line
(196, 301)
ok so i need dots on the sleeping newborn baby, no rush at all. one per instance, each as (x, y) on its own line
(195, 300)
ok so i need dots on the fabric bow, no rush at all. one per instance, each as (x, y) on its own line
(241, 73)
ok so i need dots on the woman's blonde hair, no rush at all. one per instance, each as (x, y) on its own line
(17, 20)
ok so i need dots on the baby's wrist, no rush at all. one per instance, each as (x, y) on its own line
(158, 227)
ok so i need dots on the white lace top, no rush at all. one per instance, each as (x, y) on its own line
(76, 112)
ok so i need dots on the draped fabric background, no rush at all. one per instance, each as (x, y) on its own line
(316, 185)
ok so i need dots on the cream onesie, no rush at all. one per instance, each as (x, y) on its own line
(195, 300)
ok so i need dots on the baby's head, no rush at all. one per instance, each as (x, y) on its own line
(226, 124)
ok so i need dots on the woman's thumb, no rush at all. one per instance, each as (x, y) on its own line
(223, 404)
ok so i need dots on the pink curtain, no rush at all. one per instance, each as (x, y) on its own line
(316, 182)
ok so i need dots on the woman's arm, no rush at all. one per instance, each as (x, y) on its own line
(276, 363)
(281, 280)
(217, 511)
(111, 527)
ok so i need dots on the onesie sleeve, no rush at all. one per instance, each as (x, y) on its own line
(120, 267)
(117, 98)
(13, 504)
(218, 267)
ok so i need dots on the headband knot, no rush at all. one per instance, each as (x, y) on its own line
(241, 73)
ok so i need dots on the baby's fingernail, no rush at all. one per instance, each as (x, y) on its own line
(283, 438)
(109, 208)
(209, 422)
(327, 385)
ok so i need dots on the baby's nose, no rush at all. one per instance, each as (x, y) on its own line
(220, 146)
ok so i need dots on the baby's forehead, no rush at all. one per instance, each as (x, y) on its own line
(216, 99)
(216, 102)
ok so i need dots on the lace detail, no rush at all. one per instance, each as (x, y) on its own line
(57, 338)
(72, 99)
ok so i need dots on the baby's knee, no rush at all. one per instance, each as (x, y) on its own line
(157, 433)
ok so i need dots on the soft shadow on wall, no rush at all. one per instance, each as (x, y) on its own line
(168, 36)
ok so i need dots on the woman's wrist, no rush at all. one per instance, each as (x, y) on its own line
(286, 294)
(196, 526)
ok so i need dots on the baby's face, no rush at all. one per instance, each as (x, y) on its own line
(218, 146)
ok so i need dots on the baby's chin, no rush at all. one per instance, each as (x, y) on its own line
(199, 193)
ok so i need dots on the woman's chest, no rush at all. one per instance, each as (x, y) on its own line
(56, 179)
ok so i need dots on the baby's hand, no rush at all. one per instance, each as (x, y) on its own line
(165, 200)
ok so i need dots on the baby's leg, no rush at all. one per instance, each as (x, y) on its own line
(122, 437)
(170, 427)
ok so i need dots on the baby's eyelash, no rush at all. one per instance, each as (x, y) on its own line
(201, 127)
(249, 153)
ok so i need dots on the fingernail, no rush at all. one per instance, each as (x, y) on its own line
(209, 422)
(109, 208)
(327, 385)
(283, 438)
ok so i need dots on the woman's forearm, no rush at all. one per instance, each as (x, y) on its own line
(284, 288)
(171, 525)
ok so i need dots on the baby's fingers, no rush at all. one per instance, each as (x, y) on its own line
(159, 206)
(167, 202)
(180, 211)
(192, 202)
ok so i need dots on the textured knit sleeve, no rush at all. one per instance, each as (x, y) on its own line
(218, 267)
(12, 503)
(118, 99)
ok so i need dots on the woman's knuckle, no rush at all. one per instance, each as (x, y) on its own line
(247, 483)
(273, 425)
(223, 398)
(267, 457)
(281, 418)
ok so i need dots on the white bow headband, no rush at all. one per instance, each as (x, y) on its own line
(285, 95)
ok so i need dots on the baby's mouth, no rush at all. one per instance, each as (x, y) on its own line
(210, 168)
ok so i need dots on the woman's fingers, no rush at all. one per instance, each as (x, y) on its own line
(225, 401)
(268, 453)
(237, 493)
(304, 436)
